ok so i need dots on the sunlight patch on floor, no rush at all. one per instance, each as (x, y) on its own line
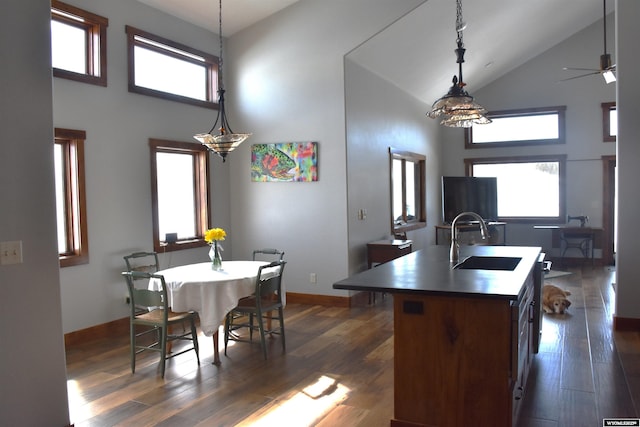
(304, 408)
(78, 408)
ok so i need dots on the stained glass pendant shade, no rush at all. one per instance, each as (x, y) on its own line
(457, 108)
(221, 139)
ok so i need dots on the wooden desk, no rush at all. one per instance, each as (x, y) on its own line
(382, 251)
(494, 238)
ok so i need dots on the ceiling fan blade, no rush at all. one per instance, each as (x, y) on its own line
(580, 69)
(581, 75)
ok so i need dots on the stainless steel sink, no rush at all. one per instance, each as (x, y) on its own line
(488, 263)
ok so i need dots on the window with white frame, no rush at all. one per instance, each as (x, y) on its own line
(530, 188)
(179, 193)
(165, 69)
(531, 126)
(78, 44)
(73, 245)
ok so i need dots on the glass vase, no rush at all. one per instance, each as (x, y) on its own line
(216, 259)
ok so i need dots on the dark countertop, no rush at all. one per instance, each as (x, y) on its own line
(428, 271)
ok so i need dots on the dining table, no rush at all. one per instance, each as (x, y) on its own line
(211, 293)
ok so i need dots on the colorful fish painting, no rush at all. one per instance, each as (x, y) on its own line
(292, 161)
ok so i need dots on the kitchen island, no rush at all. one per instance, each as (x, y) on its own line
(464, 337)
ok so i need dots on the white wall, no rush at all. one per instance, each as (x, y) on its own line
(536, 84)
(380, 116)
(290, 87)
(118, 184)
(628, 158)
(32, 363)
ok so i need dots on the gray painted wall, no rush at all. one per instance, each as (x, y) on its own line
(289, 80)
(33, 388)
(118, 179)
(380, 116)
(628, 156)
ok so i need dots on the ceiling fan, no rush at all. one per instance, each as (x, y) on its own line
(607, 69)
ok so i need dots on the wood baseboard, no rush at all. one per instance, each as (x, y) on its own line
(311, 299)
(115, 327)
(625, 324)
(121, 326)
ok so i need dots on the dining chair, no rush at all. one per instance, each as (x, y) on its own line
(266, 300)
(156, 317)
(142, 261)
(269, 254)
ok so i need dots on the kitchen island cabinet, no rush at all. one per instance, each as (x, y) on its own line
(463, 338)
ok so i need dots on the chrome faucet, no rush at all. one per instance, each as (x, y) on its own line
(454, 252)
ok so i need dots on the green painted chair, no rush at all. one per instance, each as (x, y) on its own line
(269, 254)
(156, 318)
(142, 261)
(260, 307)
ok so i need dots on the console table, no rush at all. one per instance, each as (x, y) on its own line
(494, 228)
(382, 251)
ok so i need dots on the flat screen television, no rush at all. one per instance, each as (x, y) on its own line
(469, 194)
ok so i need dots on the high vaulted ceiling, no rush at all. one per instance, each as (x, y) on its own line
(416, 53)
(236, 14)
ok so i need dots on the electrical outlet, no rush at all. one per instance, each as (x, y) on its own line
(313, 278)
(127, 300)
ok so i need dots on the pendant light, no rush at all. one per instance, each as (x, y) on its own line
(457, 108)
(224, 141)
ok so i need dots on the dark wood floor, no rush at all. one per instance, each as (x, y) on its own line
(338, 371)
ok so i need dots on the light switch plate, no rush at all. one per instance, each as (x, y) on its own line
(11, 252)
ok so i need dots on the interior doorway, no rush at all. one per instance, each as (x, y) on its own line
(609, 210)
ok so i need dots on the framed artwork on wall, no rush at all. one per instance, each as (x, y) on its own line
(285, 161)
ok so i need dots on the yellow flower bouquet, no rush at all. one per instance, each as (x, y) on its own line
(212, 237)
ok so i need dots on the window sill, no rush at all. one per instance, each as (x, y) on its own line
(163, 247)
(409, 226)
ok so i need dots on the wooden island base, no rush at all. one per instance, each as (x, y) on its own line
(452, 361)
(464, 339)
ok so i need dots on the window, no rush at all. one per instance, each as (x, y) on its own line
(609, 122)
(78, 44)
(165, 69)
(73, 245)
(407, 172)
(532, 126)
(179, 193)
(530, 189)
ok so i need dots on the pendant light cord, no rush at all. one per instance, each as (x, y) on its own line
(220, 84)
(460, 26)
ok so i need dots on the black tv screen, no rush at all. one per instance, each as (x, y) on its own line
(469, 194)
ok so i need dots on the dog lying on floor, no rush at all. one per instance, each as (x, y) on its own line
(554, 299)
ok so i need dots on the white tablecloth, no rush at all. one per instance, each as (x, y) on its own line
(211, 293)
